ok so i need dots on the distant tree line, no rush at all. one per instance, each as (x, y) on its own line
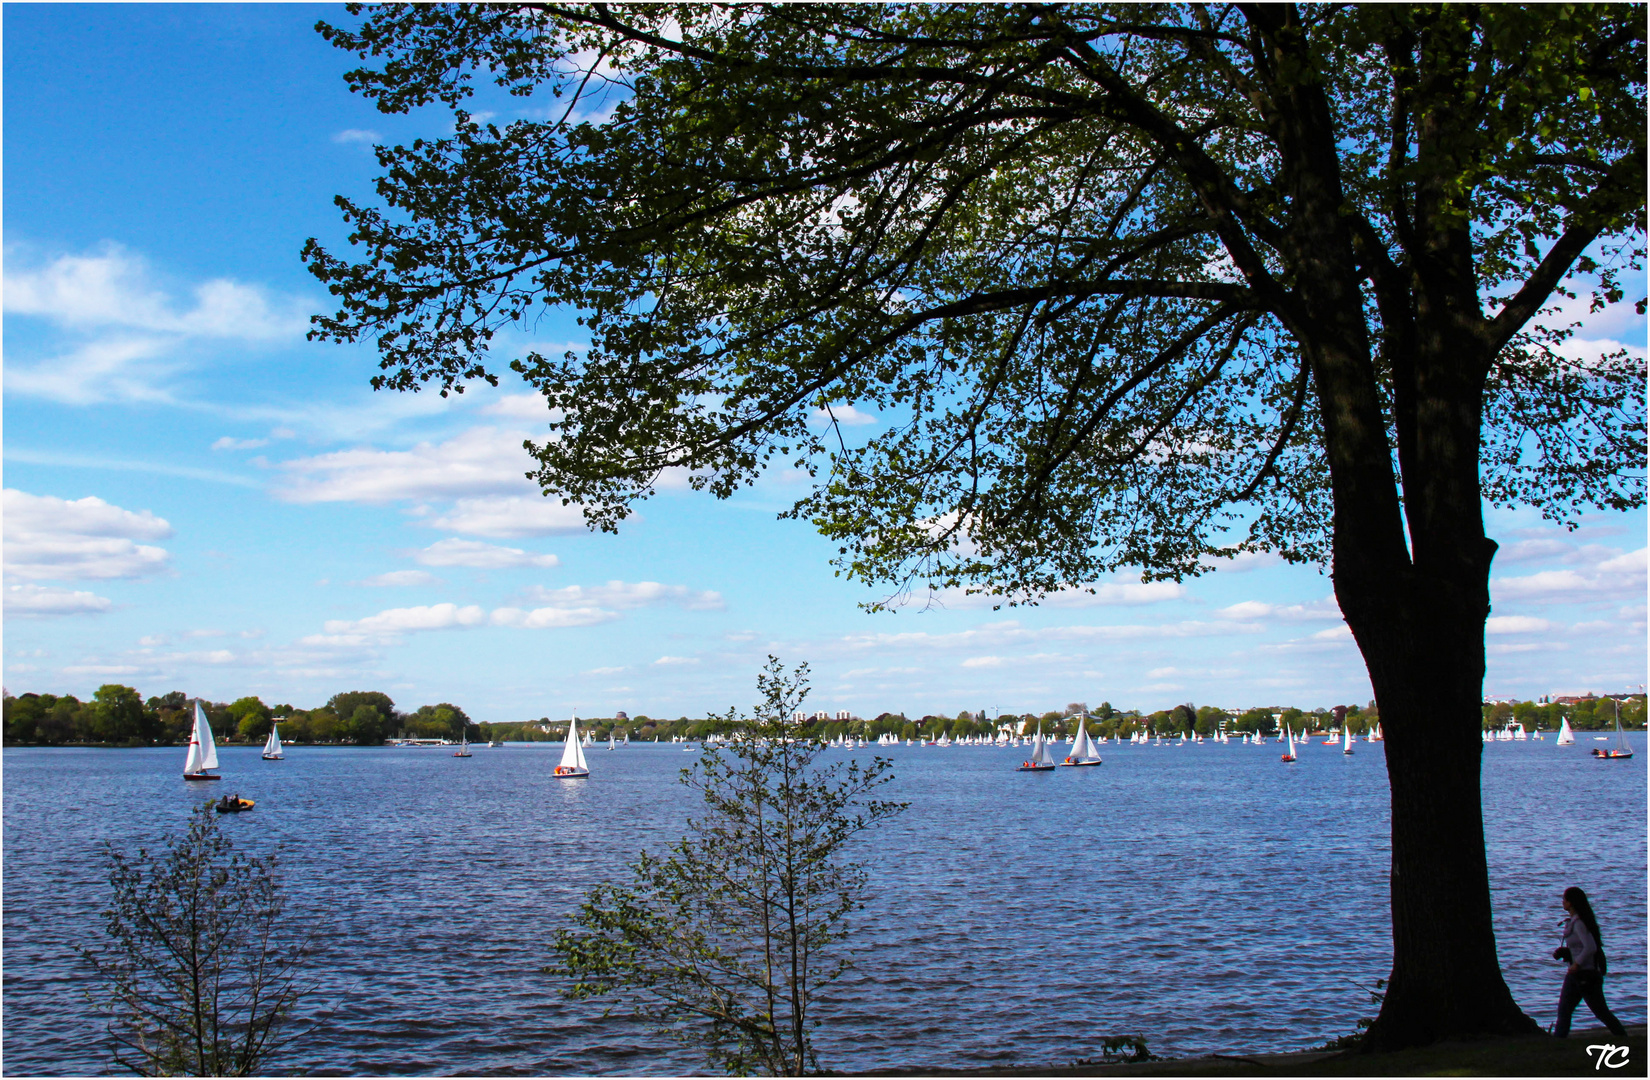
(118, 715)
(1587, 714)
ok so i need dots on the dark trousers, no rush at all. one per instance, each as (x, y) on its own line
(1585, 986)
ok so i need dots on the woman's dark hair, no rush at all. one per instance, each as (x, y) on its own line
(1579, 904)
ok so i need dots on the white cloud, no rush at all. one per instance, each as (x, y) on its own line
(620, 594)
(1010, 632)
(474, 553)
(605, 671)
(1334, 633)
(983, 662)
(482, 470)
(399, 620)
(520, 406)
(846, 415)
(1515, 624)
(511, 517)
(132, 329)
(1531, 550)
(1242, 562)
(675, 661)
(546, 618)
(1609, 579)
(1162, 672)
(227, 443)
(356, 135)
(116, 368)
(57, 539)
(116, 288)
(388, 625)
(483, 460)
(39, 600)
(1324, 609)
(398, 578)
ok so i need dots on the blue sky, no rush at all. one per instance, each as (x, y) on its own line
(198, 499)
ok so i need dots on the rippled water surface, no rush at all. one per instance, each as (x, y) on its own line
(1205, 896)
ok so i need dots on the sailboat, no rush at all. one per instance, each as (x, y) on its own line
(610, 743)
(1041, 759)
(1083, 751)
(1622, 750)
(272, 745)
(1290, 734)
(1566, 737)
(572, 765)
(1346, 740)
(203, 752)
(463, 744)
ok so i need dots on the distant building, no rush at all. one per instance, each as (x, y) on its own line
(822, 715)
(844, 714)
(621, 715)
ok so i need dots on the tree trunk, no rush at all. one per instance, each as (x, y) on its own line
(1422, 638)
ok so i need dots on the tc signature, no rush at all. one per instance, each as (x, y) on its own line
(1608, 1055)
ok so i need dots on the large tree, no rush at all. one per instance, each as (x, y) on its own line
(1128, 286)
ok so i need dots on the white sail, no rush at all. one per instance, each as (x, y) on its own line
(572, 754)
(1290, 732)
(1040, 753)
(1346, 740)
(203, 752)
(272, 745)
(1082, 747)
(1566, 737)
(610, 743)
(192, 759)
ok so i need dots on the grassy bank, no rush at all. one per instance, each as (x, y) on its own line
(1532, 1055)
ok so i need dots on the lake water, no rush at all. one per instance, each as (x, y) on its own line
(1206, 896)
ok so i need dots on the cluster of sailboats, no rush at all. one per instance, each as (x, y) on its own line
(203, 749)
(202, 754)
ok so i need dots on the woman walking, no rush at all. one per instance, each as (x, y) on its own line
(1584, 978)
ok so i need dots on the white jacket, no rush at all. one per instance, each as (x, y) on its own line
(1579, 940)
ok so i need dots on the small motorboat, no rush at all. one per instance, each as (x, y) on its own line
(233, 804)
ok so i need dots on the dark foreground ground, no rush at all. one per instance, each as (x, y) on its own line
(1533, 1055)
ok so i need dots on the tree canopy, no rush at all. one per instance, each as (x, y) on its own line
(1125, 285)
(1071, 254)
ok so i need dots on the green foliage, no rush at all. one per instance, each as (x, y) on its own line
(199, 977)
(1077, 254)
(1121, 1050)
(727, 939)
(251, 717)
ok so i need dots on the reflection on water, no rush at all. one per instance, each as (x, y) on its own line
(1206, 896)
